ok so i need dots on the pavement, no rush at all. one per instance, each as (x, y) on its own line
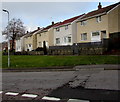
(97, 67)
(66, 68)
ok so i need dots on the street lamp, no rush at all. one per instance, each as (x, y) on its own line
(8, 39)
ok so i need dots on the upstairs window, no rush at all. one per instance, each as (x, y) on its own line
(66, 27)
(84, 36)
(83, 23)
(98, 19)
(57, 29)
(57, 40)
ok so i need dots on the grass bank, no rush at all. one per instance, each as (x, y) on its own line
(30, 61)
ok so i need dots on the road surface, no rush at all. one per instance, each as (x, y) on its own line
(61, 84)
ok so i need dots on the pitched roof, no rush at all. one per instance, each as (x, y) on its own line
(100, 11)
(48, 27)
(29, 34)
(68, 20)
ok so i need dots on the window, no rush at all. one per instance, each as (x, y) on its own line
(29, 45)
(39, 34)
(57, 40)
(95, 37)
(65, 39)
(66, 27)
(98, 19)
(95, 33)
(83, 22)
(57, 29)
(84, 36)
(69, 39)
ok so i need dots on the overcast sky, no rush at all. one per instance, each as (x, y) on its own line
(34, 14)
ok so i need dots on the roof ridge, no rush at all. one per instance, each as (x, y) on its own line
(69, 20)
(106, 7)
(74, 17)
(100, 11)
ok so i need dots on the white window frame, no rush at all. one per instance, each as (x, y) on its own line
(66, 27)
(98, 19)
(69, 40)
(57, 40)
(83, 38)
(65, 39)
(95, 38)
(83, 23)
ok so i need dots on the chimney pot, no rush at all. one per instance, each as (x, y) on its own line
(38, 28)
(52, 23)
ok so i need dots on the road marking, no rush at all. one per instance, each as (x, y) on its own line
(29, 95)
(11, 93)
(77, 100)
(1, 92)
(50, 98)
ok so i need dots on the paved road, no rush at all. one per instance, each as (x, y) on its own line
(45, 83)
(40, 83)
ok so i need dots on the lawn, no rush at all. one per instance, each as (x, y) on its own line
(32, 61)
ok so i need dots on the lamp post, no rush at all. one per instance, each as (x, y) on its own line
(8, 39)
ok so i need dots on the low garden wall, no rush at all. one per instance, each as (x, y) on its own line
(79, 49)
(91, 48)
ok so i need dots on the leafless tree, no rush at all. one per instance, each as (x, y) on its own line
(16, 29)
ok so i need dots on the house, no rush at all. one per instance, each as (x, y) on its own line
(30, 40)
(46, 35)
(5, 45)
(99, 24)
(20, 44)
(65, 33)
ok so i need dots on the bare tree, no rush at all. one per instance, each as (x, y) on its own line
(16, 29)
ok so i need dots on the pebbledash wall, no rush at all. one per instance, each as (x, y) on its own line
(105, 22)
(90, 34)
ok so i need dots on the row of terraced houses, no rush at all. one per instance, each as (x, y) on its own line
(90, 27)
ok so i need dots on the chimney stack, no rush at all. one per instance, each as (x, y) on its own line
(38, 28)
(52, 23)
(99, 6)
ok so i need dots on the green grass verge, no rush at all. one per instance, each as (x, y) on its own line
(30, 61)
